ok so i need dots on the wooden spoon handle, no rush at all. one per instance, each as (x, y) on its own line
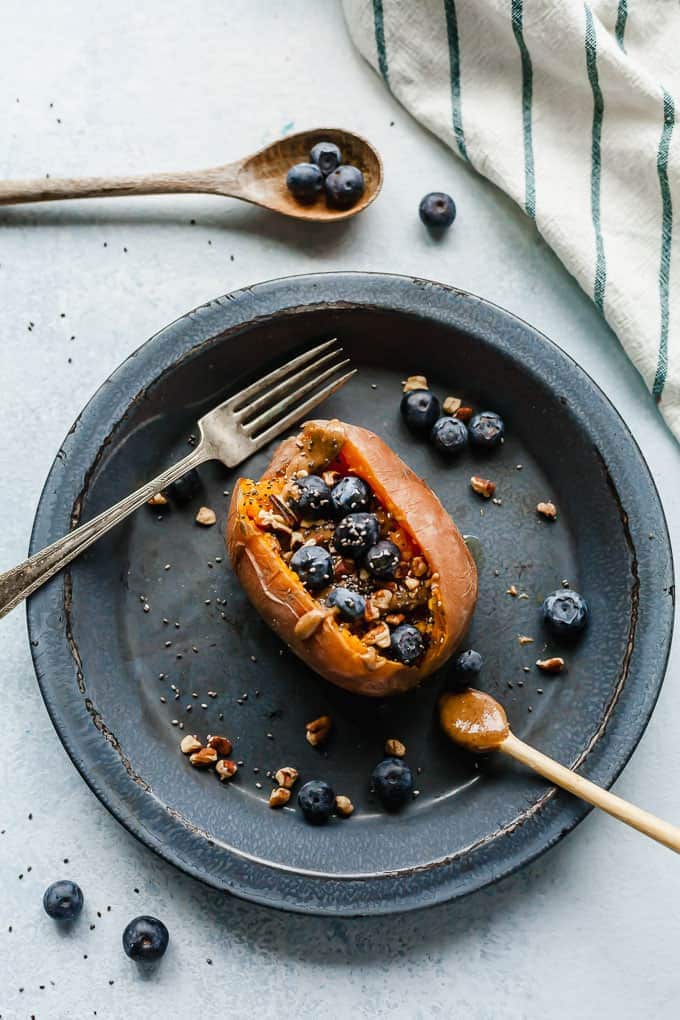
(643, 821)
(221, 180)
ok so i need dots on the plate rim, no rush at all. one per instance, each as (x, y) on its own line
(428, 883)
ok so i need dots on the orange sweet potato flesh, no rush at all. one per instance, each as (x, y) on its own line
(281, 599)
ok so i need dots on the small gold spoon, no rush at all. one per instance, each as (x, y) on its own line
(260, 179)
(477, 722)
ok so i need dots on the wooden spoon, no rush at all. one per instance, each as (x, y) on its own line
(477, 722)
(260, 179)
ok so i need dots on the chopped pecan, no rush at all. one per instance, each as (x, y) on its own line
(382, 598)
(343, 806)
(464, 413)
(331, 478)
(344, 568)
(554, 665)
(414, 382)
(418, 566)
(524, 639)
(221, 744)
(318, 730)
(206, 756)
(451, 405)
(268, 519)
(309, 623)
(379, 636)
(158, 499)
(548, 510)
(371, 610)
(512, 590)
(206, 517)
(287, 776)
(483, 486)
(394, 619)
(279, 797)
(395, 748)
(411, 583)
(190, 745)
(226, 769)
(371, 659)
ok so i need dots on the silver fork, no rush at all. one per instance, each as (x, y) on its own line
(231, 432)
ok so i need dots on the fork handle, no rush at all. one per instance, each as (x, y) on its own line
(20, 582)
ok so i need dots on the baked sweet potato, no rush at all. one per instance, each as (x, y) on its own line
(431, 590)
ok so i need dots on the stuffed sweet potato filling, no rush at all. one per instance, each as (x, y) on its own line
(351, 555)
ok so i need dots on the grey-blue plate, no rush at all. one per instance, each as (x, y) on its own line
(98, 655)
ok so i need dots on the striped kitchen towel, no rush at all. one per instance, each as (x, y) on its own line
(569, 108)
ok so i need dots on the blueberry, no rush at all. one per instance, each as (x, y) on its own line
(406, 644)
(349, 495)
(449, 435)
(486, 429)
(305, 182)
(344, 186)
(316, 800)
(313, 565)
(382, 559)
(355, 534)
(63, 900)
(186, 487)
(350, 603)
(393, 782)
(420, 409)
(437, 210)
(565, 612)
(469, 662)
(310, 497)
(145, 938)
(326, 155)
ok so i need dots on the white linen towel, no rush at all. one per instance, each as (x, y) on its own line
(569, 108)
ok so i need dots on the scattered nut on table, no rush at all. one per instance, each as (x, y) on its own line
(483, 486)
(158, 499)
(287, 776)
(395, 747)
(226, 769)
(206, 517)
(451, 405)
(318, 730)
(512, 590)
(554, 665)
(279, 797)
(343, 806)
(464, 413)
(548, 510)
(524, 639)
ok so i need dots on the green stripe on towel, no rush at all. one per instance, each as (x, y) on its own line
(527, 96)
(379, 26)
(454, 60)
(621, 16)
(666, 237)
(595, 160)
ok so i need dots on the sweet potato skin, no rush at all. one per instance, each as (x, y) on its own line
(280, 598)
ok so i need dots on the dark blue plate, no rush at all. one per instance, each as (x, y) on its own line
(98, 655)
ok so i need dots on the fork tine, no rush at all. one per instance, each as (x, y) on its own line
(290, 383)
(299, 412)
(271, 414)
(273, 377)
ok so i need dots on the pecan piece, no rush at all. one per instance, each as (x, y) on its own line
(221, 744)
(379, 636)
(206, 517)
(158, 499)
(451, 405)
(287, 776)
(318, 730)
(414, 382)
(483, 486)
(395, 748)
(226, 769)
(190, 745)
(548, 510)
(206, 756)
(343, 806)
(554, 665)
(279, 797)
(464, 413)
(524, 639)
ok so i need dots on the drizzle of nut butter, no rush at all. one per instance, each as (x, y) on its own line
(473, 719)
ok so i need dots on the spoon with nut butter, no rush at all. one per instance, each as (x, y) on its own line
(260, 178)
(476, 721)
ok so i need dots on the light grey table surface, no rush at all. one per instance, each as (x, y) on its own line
(590, 930)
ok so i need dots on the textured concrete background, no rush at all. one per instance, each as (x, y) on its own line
(592, 929)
